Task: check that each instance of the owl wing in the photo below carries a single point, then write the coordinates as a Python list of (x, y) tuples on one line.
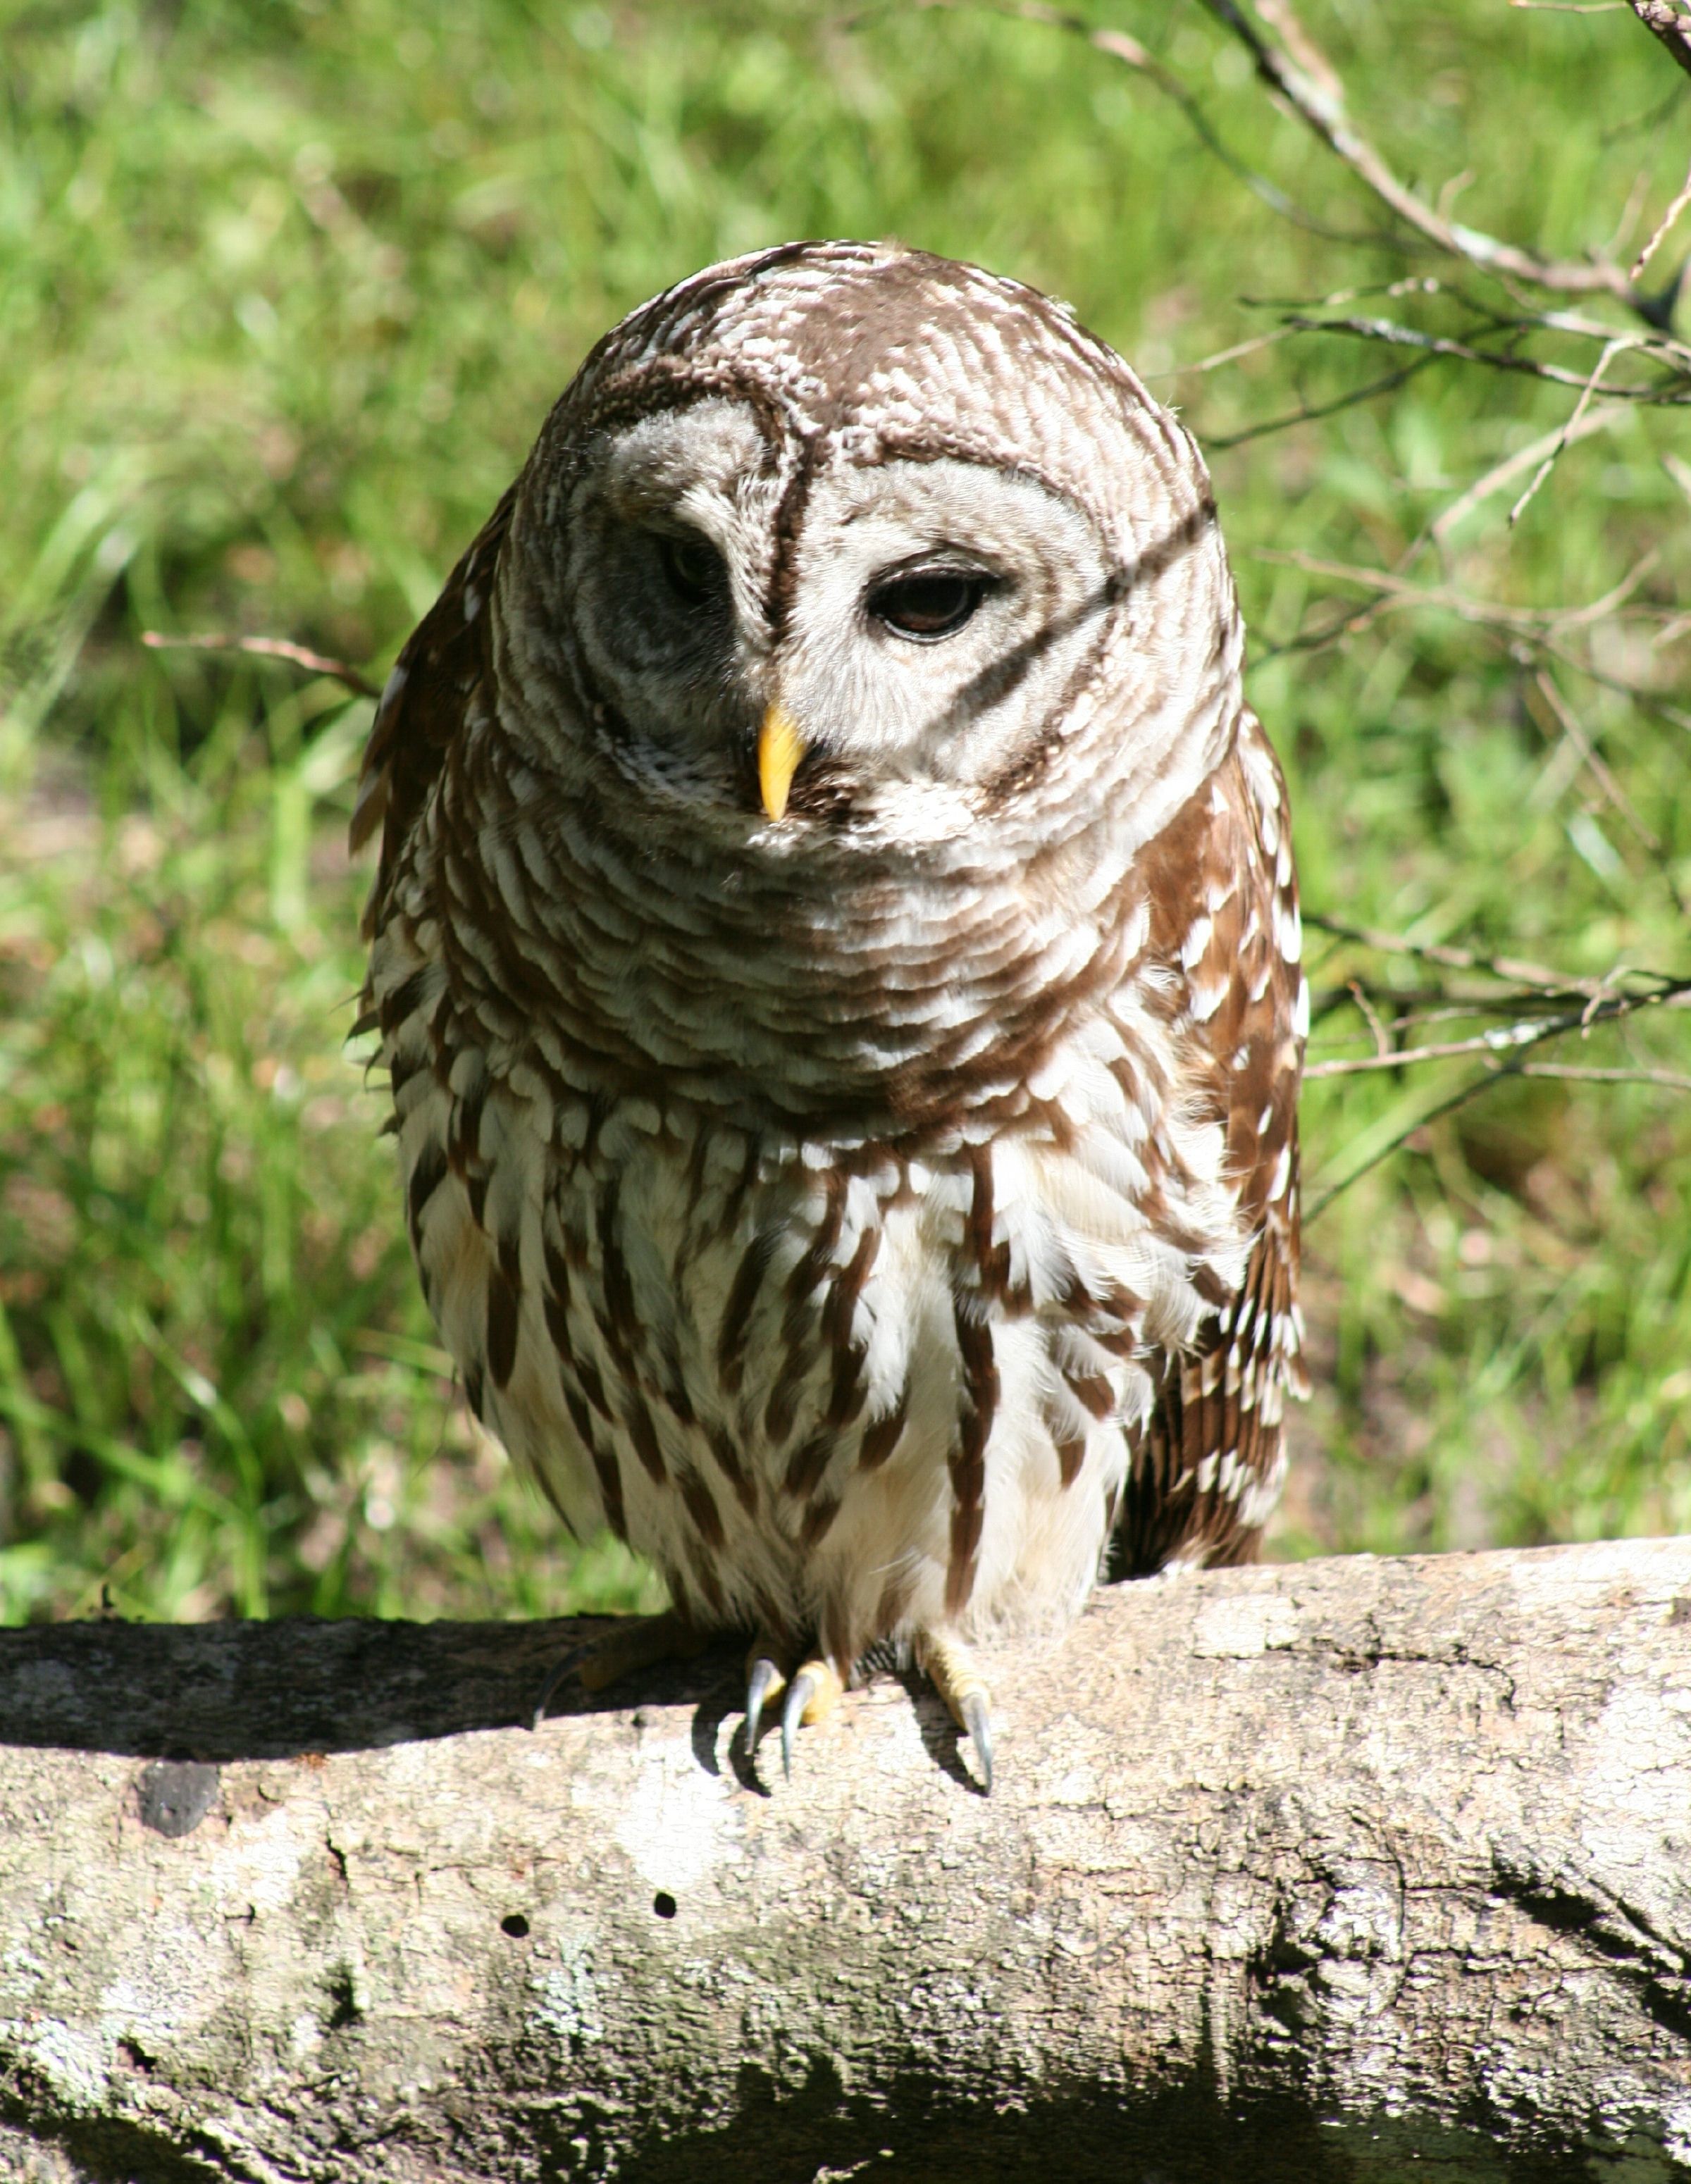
[(443, 676), (1209, 1464)]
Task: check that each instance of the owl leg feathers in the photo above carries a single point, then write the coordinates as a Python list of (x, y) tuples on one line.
[(951, 1669), (633, 1643)]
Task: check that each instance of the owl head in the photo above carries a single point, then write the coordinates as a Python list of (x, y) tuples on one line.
[(844, 547)]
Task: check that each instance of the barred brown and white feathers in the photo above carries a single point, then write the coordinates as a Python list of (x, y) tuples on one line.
[(836, 947)]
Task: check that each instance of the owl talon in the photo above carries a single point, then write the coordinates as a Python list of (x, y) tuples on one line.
[(552, 1683), (977, 1719), (765, 1679), (633, 1643), (951, 1669), (812, 1695)]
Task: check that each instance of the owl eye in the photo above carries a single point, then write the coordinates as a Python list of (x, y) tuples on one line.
[(692, 567), (927, 605)]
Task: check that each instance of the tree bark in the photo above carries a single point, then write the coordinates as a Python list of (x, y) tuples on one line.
[(1344, 1869)]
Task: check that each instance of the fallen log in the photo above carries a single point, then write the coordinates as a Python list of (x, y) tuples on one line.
[(1341, 1869)]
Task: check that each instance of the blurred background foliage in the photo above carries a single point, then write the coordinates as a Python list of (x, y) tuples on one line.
[(285, 291)]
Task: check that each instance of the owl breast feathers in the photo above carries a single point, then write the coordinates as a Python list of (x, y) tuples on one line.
[(835, 947)]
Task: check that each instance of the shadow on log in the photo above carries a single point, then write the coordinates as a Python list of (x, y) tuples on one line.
[(1356, 1869)]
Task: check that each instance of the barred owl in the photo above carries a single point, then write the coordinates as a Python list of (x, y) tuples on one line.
[(835, 954)]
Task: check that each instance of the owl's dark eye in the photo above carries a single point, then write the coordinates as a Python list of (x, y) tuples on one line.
[(692, 567), (927, 605)]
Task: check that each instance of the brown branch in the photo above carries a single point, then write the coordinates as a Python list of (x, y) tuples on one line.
[(1570, 1072), (1532, 1032), (298, 1899), (1510, 468), (1393, 335), (1611, 349), (1397, 591), (1120, 46), (267, 647), (1455, 959), (1309, 92), (1665, 22), (1594, 760), (1662, 226)]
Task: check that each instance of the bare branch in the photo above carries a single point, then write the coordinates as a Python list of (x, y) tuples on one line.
[(1494, 1075), (1662, 226), (1610, 350), (1397, 591), (1370, 1016), (1315, 1207), (1434, 952), (1665, 22), (1284, 1864), (1502, 1037), (1506, 1049), (1669, 1079), (1395, 336), (1310, 90), (1120, 46), (266, 648), (1545, 683), (1392, 380), (1505, 472)]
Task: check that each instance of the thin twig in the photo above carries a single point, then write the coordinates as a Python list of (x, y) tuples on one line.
[(1508, 969), (1307, 91), (1313, 1208), (1505, 472), (1369, 1015), (1663, 224), (1660, 344), (1611, 349), (1308, 416), (1397, 591), (1500, 1039), (1570, 1072), (1594, 760), (266, 648), (1120, 46), (1395, 336)]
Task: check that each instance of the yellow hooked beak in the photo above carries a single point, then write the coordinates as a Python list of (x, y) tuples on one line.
[(779, 748)]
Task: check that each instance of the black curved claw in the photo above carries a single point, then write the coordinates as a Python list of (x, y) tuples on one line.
[(800, 1693), (764, 1672), (979, 1723), (570, 1661)]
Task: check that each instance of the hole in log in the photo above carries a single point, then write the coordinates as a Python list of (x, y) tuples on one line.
[(664, 1904)]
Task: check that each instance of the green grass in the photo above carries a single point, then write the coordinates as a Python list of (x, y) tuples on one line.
[(286, 293)]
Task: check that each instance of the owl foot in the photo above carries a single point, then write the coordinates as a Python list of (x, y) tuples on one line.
[(812, 1696), (951, 1669), (765, 1678), (634, 1642)]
